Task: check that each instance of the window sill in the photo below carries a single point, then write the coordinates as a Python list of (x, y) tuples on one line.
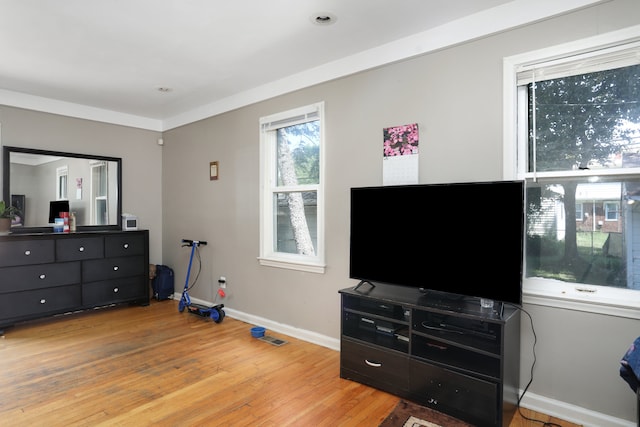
[(292, 264), (592, 299)]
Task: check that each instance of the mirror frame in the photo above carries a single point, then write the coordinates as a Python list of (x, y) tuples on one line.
[(6, 186)]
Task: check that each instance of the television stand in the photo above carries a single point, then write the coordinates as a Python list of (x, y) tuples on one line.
[(463, 360)]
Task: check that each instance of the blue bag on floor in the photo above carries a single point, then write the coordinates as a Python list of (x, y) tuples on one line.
[(162, 284)]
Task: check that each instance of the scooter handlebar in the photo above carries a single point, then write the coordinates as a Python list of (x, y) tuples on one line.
[(188, 242)]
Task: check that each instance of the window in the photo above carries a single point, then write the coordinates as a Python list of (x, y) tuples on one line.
[(611, 211), (99, 193), (579, 211), (62, 183), (291, 205), (574, 137)]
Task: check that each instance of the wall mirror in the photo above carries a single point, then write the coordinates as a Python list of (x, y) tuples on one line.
[(38, 182)]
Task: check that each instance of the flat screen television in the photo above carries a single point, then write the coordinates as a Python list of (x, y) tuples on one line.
[(55, 207), (462, 239)]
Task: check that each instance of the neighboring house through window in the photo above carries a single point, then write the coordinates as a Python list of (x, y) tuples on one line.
[(572, 132), (291, 180)]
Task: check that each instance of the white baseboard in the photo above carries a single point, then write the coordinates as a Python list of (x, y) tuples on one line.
[(556, 408), (303, 334), (572, 413)]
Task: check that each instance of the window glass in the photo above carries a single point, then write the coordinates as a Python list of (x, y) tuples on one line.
[(298, 151), (585, 122), (62, 183), (611, 211), (99, 193), (596, 249), (296, 223), (579, 211)]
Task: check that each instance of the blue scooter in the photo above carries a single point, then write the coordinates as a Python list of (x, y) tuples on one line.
[(216, 313)]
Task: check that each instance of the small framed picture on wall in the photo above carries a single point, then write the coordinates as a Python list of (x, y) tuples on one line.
[(213, 171)]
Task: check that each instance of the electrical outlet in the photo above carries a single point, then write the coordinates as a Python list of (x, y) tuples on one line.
[(222, 282)]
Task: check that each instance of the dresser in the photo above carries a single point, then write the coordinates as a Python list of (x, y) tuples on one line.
[(53, 273)]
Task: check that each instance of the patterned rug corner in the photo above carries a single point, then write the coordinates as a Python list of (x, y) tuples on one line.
[(417, 422), (408, 414)]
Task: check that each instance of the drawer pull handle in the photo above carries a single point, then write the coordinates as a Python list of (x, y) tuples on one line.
[(27, 252), (126, 246), (43, 276), (438, 346), (81, 249), (116, 268), (373, 364), (115, 290), (42, 301)]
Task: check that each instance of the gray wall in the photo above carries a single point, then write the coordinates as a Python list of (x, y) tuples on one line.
[(455, 95)]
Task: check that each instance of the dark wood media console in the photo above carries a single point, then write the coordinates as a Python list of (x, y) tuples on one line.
[(447, 354), (52, 273)]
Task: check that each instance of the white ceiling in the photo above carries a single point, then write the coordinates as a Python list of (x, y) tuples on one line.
[(106, 59)]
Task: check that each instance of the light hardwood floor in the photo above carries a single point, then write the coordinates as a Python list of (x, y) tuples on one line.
[(140, 366)]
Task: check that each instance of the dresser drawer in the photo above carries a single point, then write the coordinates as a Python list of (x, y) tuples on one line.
[(113, 268), (462, 396), (40, 301), (24, 252), (374, 366), (79, 248), (124, 244), (39, 276), (112, 291)]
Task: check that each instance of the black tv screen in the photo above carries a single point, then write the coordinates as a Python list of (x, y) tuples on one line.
[(55, 207), (459, 238)]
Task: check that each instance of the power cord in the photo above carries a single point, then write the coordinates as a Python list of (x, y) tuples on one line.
[(535, 340)]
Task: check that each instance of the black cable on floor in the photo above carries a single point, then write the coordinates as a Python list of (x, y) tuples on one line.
[(535, 340)]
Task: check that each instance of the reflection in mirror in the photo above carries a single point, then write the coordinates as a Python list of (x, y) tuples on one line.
[(38, 182)]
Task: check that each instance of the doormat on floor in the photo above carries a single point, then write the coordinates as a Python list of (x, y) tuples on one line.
[(273, 340), (407, 414)]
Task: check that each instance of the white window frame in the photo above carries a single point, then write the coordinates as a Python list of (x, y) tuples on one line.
[(547, 292), (98, 199), (62, 183), (579, 212), (268, 187), (608, 211)]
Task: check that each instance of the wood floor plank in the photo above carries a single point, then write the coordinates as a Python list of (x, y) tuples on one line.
[(143, 366)]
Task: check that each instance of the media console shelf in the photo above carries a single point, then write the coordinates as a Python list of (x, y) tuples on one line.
[(445, 353)]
